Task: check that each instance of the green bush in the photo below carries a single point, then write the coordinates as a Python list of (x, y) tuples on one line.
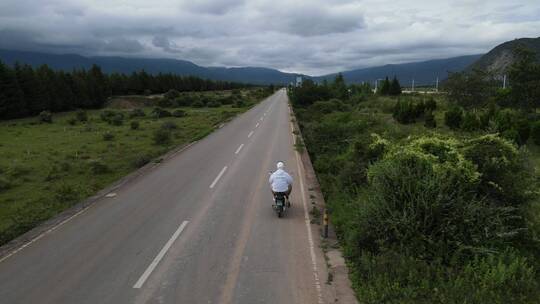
[(453, 118), (108, 136), (430, 105), (179, 113), (183, 101), (72, 121), (172, 94), (197, 104), (141, 160), (535, 132), (81, 115), (213, 104), (134, 125), (45, 116), (470, 122), (239, 103), (136, 113), (165, 103), (158, 112), (117, 119), (66, 193), (429, 120), (504, 176), (162, 136)]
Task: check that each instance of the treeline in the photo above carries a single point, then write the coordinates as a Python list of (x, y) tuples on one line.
[(26, 91)]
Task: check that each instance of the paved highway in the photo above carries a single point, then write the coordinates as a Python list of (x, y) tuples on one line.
[(199, 228)]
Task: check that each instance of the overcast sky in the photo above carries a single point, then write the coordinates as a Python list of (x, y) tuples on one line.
[(312, 37)]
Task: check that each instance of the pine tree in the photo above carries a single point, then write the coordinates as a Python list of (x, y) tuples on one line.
[(385, 87), (395, 87), (11, 97)]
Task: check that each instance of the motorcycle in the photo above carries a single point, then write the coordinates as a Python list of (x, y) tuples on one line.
[(280, 204)]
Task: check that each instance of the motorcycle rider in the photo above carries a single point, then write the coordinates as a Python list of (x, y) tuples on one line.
[(281, 182)]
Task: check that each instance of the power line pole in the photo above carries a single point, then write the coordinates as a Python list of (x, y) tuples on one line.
[(437, 85), (504, 81), (412, 90)]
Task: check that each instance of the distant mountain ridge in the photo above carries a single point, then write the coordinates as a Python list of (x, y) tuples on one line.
[(501, 57), (423, 73), (253, 75)]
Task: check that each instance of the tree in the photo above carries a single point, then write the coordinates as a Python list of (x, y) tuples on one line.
[(471, 89), (11, 97), (385, 87), (395, 87), (339, 88), (525, 80)]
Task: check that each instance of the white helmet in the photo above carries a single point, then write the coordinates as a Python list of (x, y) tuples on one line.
[(280, 165)]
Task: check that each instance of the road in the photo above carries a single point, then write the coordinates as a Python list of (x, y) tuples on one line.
[(198, 228)]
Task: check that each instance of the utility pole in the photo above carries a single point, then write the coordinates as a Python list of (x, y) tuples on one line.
[(504, 81), (437, 85), (412, 90)]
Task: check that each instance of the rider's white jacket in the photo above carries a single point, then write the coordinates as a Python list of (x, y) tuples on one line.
[(280, 181)]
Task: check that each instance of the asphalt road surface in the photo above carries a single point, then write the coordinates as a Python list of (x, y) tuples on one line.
[(198, 228)]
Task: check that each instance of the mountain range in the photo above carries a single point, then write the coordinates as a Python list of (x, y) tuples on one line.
[(423, 73)]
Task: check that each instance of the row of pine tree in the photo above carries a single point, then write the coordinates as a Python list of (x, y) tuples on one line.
[(26, 91)]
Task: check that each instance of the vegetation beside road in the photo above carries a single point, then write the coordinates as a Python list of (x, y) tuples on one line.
[(50, 162), (434, 199)]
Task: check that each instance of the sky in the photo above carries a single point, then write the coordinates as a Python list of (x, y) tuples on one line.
[(311, 37)]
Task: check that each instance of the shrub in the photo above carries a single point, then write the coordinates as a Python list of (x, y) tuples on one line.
[(470, 122), (136, 113), (165, 103), (172, 94), (179, 113), (169, 125), (535, 132), (162, 136), (81, 115), (183, 101), (226, 100), (405, 112), (239, 103), (107, 115), (108, 136), (453, 118), (141, 160), (430, 105), (98, 167), (504, 177), (72, 121), (134, 125), (158, 112), (117, 119), (213, 104), (523, 129), (45, 116), (429, 120), (197, 104)]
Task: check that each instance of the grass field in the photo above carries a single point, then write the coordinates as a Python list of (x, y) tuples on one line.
[(47, 167)]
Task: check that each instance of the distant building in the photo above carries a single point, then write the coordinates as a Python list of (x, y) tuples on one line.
[(298, 81)]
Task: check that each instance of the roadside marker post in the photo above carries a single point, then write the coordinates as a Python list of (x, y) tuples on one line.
[(325, 219)]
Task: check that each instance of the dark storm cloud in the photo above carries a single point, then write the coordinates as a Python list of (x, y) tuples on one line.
[(302, 36)]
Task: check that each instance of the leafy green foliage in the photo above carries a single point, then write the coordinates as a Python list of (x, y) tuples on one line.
[(45, 116), (535, 131), (453, 118), (134, 125), (162, 136)]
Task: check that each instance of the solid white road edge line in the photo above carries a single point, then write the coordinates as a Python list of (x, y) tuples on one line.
[(218, 177), (257, 125), (160, 256), (308, 227), (250, 133), (239, 148)]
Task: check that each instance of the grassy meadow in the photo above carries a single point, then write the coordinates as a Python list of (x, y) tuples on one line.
[(47, 167)]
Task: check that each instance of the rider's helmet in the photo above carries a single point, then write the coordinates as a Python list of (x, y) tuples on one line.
[(280, 165)]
